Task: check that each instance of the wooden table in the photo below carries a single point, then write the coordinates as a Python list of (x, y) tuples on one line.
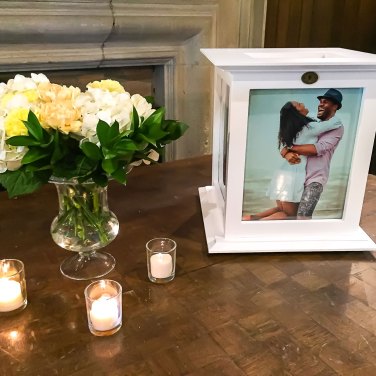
[(275, 314)]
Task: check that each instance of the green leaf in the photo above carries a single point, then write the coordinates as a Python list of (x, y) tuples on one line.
[(31, 117), (91, 150), (175, 129), (114, 131), (20, 182), (38, 166), (80, 166), (156, 118), (135, 119), (152, 128), (34, 154), (47, 136), (103, 132), (33, 126), (147, 139), (108, 153), (47, 141), (107, 134), (149, 99), (124, 146), (156, 133), (120, 175), (126, 133), (22, 141), (141, 144), (58, 150), (110, 165), (84, 166)]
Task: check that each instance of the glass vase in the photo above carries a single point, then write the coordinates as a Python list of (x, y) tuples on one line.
[(84, 225)]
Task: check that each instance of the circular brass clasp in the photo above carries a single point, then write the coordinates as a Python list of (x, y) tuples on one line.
[(310, 77)]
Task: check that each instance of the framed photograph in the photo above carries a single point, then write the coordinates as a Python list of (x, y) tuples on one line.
[(293, 132), (276, 179)]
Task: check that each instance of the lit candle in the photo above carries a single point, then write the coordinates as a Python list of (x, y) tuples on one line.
[(10, 295), (161, 265), (104, 313)]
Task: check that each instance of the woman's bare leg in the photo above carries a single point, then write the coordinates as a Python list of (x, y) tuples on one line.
[(288, 211), (290, 208), (266, 213)]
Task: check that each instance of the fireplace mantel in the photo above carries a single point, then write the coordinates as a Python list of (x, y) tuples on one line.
[(48, 35)]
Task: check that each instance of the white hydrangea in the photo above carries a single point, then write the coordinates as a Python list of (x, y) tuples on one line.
[(21, 83), (142, 106), (20, 92), (10, 156), (98, 104), (12, 97)]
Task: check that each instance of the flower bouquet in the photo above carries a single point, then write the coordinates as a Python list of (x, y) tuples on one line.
[(77, 140)]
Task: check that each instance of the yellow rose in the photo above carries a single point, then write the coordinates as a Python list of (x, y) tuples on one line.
[(13, 122), (60, 115), (51, 92), (109, 85)]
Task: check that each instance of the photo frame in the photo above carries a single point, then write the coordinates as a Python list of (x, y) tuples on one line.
[(249, 175), (262, 135)]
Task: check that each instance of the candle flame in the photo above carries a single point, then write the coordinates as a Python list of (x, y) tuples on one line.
[(13, 334), (102, 284), (5, 267)]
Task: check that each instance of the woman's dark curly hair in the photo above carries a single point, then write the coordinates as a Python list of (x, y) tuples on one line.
[(291, 123)]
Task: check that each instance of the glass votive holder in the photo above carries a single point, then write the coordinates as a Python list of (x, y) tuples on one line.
[(13, 297), (161, 259), (104, 307)]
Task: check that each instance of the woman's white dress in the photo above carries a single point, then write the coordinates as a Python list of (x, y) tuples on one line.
[(287, 183)]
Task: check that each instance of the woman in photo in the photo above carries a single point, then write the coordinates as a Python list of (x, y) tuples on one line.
[(287, 184)]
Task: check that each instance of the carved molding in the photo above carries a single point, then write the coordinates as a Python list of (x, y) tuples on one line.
[(45, 35)]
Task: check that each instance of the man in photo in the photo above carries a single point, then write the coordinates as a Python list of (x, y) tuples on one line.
[(319, 155)]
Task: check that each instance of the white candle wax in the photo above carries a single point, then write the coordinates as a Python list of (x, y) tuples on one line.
[(161, 265), (104, 313), (10, 295)]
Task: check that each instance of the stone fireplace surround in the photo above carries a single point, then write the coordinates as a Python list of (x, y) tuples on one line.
[(168, 34)]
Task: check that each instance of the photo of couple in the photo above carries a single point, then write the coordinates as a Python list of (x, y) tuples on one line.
[(298, 161)]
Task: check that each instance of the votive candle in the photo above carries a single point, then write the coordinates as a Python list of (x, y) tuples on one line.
[(161, 265), (10, 295), (12, 286), (104, 307), (161, 259), (104, 313)]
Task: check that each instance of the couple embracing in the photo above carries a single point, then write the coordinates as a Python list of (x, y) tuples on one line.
[(307, 147)]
